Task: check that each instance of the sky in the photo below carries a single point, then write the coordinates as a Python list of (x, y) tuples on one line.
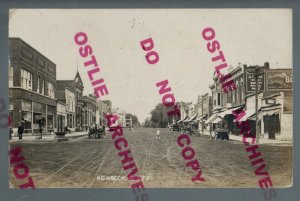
[(246, 36)]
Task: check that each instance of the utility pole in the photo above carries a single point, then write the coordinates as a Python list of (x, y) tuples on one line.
[(257, 72), (202, 126)]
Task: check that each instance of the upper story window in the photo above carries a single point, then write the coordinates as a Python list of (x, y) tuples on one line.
[(218, 99), (26, 79), (38, 85), (43, 87), (51, 90), (10, 76)]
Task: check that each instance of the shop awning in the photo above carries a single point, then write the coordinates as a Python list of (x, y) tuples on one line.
[(192, 118), (211, 118), (249, 113), (183, 120), (217, 120), (271, 112), (186, 119), (228, 111), (200, 118)]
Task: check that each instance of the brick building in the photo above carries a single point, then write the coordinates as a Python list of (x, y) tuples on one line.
[(76, 86), (203, 107), (32, 84), (223, 103), (275, 109), (102, 109)]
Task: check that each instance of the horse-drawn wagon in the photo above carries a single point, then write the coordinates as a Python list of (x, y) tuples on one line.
[(96, 131)]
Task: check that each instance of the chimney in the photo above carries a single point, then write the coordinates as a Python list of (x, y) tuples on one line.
[(267, 65)]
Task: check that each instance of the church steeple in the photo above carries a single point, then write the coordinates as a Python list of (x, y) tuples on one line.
[(78, 79)]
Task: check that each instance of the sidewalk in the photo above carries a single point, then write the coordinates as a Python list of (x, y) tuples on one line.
[(49, 137), (261, 140)]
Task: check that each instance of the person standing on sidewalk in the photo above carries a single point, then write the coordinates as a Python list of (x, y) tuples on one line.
[(20, 130), (10, 133)]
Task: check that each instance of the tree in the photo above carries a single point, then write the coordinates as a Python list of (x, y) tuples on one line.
[(148, 123), (159, 116), (135, 120)]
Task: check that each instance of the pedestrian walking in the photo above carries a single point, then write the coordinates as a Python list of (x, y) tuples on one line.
[(10, 133), (40, 122), (157, 134), (20, 130), (67, 129)]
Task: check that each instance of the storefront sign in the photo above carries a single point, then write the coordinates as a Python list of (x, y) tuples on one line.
[(251, 82), (279, 79)]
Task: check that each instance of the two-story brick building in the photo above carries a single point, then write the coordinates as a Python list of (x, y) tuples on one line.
[(32, 84), (274, 87)]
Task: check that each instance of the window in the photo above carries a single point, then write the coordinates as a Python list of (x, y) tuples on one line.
[(43, 87), (26, 79), (218, 99), (38, 85), (50, 90), (233, 95), (10, 76)]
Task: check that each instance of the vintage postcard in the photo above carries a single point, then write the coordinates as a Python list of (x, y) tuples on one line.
[(150, 98)]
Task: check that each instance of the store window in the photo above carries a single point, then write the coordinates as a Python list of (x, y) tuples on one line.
[(26, 116), (39, 116), (26, 79), (51, 90)]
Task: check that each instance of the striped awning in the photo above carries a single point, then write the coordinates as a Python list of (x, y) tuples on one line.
[(211, 118)]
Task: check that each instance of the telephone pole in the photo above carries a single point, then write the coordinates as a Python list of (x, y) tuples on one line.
[(256, 75), (202, 115)]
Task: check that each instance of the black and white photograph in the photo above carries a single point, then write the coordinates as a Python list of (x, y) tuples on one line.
[(150, 98)]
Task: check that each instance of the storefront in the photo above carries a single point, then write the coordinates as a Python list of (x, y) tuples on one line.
[(26, 115), (61, 116), (33, 116), (271, 127), (71, 121)]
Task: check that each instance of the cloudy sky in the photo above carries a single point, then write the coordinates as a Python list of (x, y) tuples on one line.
[(246, 36)]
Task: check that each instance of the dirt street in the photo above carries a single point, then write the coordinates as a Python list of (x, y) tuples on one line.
[(85, 163)]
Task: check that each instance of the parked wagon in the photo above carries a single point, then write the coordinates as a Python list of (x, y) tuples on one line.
[(222, 133), (96, 131)]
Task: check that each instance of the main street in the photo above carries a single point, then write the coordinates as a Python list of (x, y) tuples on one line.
[(86, 162)]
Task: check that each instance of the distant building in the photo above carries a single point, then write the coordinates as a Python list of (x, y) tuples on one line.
[(32, 84), (184, 111), (121, 116), (203, 108), (102, 109), (89, 107)]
